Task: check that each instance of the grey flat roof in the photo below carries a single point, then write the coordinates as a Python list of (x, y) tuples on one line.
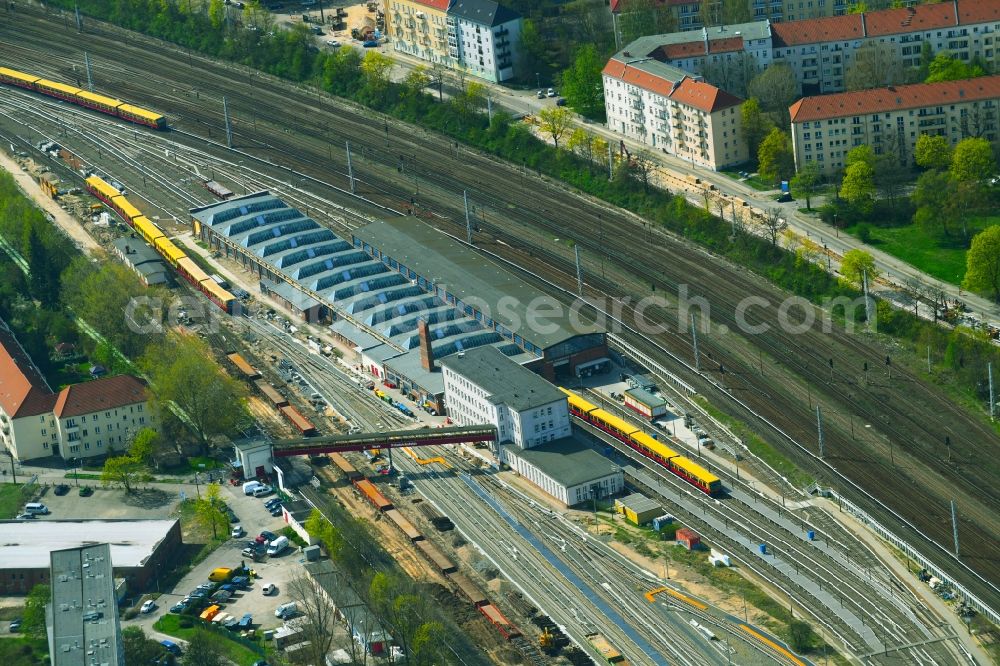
[(409, 366), (82, 582), (470, 277), (505, 380), (289, 293), (139, 253), (26, 544), (640, 503), (357, 337), (568, 461)]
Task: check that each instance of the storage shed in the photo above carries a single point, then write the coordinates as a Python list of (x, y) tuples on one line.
[(687, 538), (637, 508), (646, 403)]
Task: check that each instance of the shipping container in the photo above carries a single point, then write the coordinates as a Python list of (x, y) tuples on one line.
[(436, 557), (371, 493), (503, 625), (270, 393), (405, 526), (346, 468)]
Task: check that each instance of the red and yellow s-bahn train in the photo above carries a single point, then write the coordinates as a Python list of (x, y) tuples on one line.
[(153, 235), (108, 105), (690, 471)]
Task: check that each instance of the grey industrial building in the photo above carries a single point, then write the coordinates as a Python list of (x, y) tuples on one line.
[(82, 618), (378, 287), (142, 259), (566, 469)]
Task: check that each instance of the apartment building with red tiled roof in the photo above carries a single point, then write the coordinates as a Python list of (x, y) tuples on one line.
[(688, 13), (826, 127), (80, 421)]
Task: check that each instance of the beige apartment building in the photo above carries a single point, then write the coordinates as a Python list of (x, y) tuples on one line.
[(826, 127), (420, 28), (687, 13), (671, 110)]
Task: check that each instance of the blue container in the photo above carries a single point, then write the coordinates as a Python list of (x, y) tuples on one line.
[(763, 548), (811, 535)]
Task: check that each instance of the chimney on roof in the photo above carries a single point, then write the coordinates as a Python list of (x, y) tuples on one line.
[(426, 351), (704, 38), (958, 19)]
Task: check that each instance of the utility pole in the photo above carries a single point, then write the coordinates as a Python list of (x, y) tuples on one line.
[(468, 221), (90, 78), (350, 170), (954, 526), (79, 21), (868, 306), (229, 127), (611, 164), (579, 272), (694, 337), (489, 109), (993, 402), (819, 430)]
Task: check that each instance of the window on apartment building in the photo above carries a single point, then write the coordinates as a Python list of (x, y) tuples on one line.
[(100, 443), (86, 446), (44, 432), (75, 448), (45, 445)]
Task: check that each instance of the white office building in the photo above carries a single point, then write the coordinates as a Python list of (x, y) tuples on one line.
[(483, 386), (483, 38)]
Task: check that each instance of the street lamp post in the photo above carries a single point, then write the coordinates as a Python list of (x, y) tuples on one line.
[(538, 79)]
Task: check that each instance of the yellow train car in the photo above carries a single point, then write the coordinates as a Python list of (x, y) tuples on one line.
[(654, 449), (578, 405), (696, 475), (60, 90), (149, 231), (99, 102), (169, 251), (125, 208), (143, 116), (16, 78), (101, 189), (610, 423)]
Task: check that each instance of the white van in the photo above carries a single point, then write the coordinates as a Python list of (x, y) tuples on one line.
[(278, 546), (36, 508), (250, 486), (285, 611)]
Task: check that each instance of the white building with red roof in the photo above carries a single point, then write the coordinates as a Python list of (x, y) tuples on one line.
[(80, 421), (650, 100), (826, 127)]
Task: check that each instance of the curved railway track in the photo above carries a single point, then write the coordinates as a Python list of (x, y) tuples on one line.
[(914, 417)]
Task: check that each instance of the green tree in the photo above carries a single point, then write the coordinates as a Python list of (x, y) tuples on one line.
[(427, 643), (582, 85), (124, 469), (932, 152), (724, 12), (805, 183), (470, 100), (875, 65), (184, 375), (43, 275), (534, 49), (756, 125), (775, 159), (856, 265), (209, 510), (639, 18), (934, 196), (982, 272), (416, 80), (800, 636), (216, 13), (202, 650), (973, 161), (946, 67), (376, 67), (776, 88), (926, 58), (139, 648), (858, 186), (555, 121), (33, 618)]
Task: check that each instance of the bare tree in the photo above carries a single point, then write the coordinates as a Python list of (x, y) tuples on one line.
[(876, 64), (773, 224), (643, 165), (319, 617)]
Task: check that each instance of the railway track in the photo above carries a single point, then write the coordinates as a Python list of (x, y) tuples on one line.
[(920, 416)]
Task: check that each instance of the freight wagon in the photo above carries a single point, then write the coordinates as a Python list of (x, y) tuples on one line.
[(248, 371), (405, 526), (371, 493), (609, 653), (441, 522), (301, 423), (269, 392), (346, 468), (436, 557), (503, 625), (469, 589)]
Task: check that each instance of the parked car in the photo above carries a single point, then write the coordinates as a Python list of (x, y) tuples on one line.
[(785, 198), (271, 502), (540, 94), (171, 647), (25, 516), (92, 616), (61, 489), (148, 606), (268, 536), (333, 43), (370, 44), (276, 511), (237, 532), (179, 607), (86, 491), (550, 93), (261, 491), (561, 101), (15, 624), (267, 591)]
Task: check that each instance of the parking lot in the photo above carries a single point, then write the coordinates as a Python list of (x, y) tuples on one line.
[(158, 501), (276, 570)]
